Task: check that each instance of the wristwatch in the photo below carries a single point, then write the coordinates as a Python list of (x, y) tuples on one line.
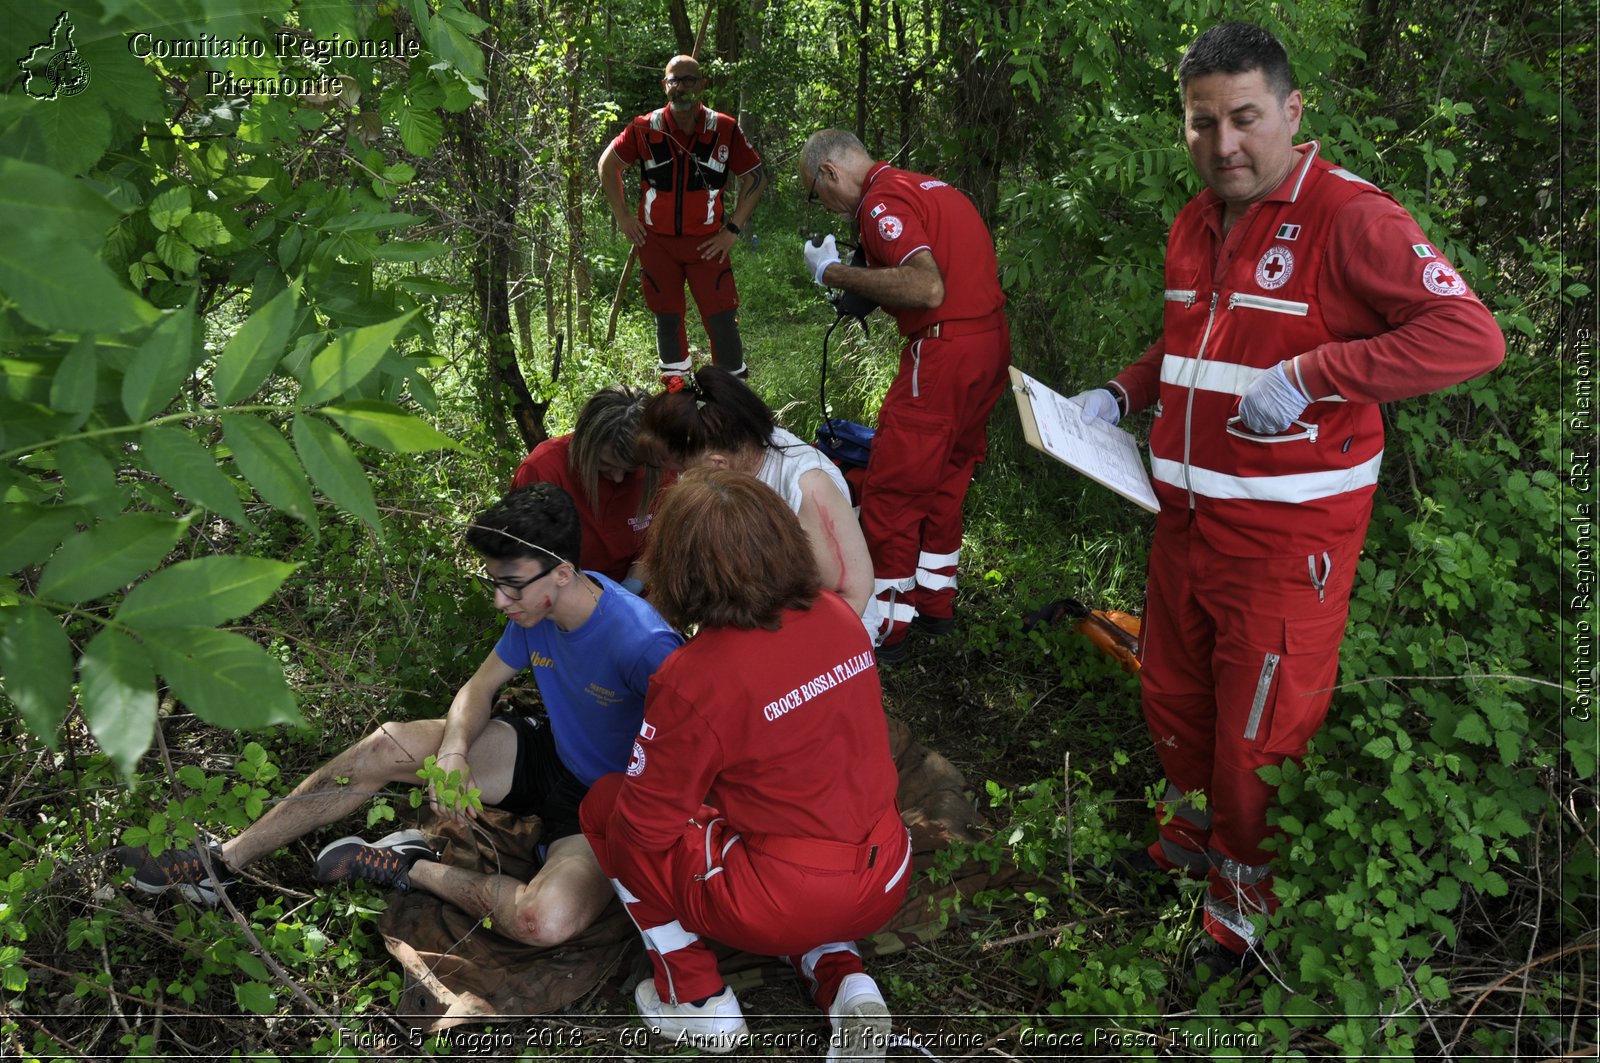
[(732, 228)]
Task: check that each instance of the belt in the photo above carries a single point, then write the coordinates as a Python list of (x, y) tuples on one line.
[(968, 326), (831, 856)]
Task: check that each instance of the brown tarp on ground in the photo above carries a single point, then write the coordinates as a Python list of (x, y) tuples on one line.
[(457, 971)]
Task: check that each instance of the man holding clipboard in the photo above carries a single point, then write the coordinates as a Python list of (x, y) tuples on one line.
[(1298, 297)]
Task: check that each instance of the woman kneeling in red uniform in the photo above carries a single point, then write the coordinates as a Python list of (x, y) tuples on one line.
[(759, 806)]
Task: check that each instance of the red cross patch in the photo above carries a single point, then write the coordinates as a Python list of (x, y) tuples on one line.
[(1275, 267), (889, 227), (1440, 279)]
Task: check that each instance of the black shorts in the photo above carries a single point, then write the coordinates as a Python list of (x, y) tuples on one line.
[(540, 784)]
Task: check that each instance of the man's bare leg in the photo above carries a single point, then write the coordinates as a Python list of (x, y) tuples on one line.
[(564, 898), (392, 754)]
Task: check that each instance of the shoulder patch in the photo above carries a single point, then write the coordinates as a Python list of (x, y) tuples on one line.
[(890, 227), (879, 209), (1275, 267), (931, 184), (636, 762), (1440, 279), (1424, 251), (1288, 232)]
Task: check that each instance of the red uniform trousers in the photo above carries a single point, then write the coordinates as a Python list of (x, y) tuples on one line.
[(762, 894), (666, 264), (1239, 658), (932, 432)]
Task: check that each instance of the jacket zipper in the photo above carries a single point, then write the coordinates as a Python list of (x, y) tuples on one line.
[(1188, 413), (1263, 302)]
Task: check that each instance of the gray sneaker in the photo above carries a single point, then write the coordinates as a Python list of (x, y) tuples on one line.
[(860, 1020), (178, 869), (386, 862)]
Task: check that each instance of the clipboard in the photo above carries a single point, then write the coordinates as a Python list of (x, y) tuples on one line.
[(1104, 453)]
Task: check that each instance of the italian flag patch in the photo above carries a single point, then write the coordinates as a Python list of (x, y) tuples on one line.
[(1423, 250)]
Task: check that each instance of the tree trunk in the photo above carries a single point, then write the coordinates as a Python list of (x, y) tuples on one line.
[(863, 52), (682, 27)]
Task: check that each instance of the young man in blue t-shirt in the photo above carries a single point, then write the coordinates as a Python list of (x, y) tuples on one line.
[(592, 647)]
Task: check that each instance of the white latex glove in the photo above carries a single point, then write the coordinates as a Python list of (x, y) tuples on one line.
[(1098, 404), (820, 256), (1270, 404)]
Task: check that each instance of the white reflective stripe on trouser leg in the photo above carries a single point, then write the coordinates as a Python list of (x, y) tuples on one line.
[(927, 560), (875, 620), (808, 962), (1232, 918), (933, 581), (902, 584), (1239, 871), (675, 368), (668, 937)]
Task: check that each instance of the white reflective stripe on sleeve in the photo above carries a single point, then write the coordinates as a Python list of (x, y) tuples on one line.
[(907, 256), (904, 583), (668, 937), (1292, 487), (927, 560), (622, 892), (900, 872), (649, 201), (1231, 919), (1229, 378), (933, 581)]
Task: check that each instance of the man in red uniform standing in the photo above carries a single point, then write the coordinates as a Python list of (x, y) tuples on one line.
[(686, 152), (1298, 297), (930, 264)]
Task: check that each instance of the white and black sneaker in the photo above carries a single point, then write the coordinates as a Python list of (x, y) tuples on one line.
[(860, 1019), (386, 862), (178, 869)]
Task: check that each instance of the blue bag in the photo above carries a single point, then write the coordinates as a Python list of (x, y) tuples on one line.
[(846, 443)]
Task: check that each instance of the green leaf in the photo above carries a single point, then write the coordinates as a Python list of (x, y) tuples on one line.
[(335, 469), (257, 997), (204, 230), (175, 251), (410, 250), (117, 688), (90, 478), (61, 286), (36, 659), (380, 424), (168, 209), (108, 556), (266, 460), (251, 964), (256, 348), (72, 389), (350, 359), (30, 533), (203, 592), (370, 222), (190, 469), (223, 677), (420, 130), (42, 199), (160, 366)]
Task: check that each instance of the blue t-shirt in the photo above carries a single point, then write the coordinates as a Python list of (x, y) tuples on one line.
[(592, 679)]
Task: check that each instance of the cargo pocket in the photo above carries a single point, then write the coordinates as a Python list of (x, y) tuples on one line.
[(909, 452), (1293, 686)]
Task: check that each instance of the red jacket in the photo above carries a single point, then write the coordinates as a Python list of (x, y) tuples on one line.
[(782, 731), (613, 528), (684, 173), (1327, 268), (902, 213)]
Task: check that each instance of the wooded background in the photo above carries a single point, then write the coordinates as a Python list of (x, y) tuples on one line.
[(260, 357)]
